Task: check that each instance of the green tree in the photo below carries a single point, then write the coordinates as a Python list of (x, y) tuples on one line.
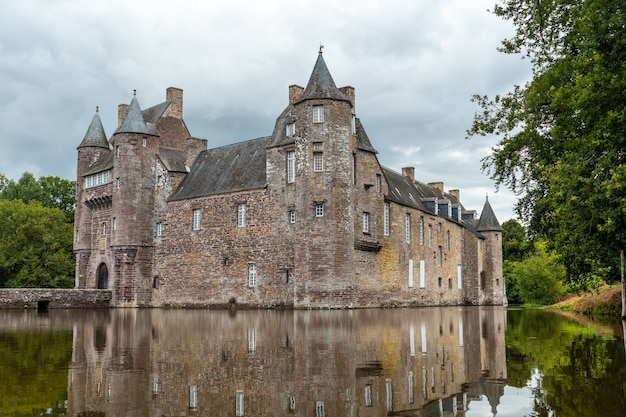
[(49, 191), (538, 278), (515, 243), (35, 246), (562, 135)]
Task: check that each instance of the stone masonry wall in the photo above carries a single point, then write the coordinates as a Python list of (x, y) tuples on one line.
[(53, 298)]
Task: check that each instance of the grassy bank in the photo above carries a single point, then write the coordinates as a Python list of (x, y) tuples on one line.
[(606, 301)]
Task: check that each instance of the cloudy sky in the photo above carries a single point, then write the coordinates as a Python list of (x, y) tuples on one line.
[(414, 65)]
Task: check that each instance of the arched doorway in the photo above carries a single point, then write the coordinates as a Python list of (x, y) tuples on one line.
[(102, 276)]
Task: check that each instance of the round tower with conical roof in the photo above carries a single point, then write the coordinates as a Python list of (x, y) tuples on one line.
[(491, 282)]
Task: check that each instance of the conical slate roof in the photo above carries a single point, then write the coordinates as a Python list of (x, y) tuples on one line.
[(488, 221), (321, 84), (95, 136), (134, 121)]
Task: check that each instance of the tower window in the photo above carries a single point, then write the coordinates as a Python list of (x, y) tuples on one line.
[(318, 114), (291, 166), (290, 129), (386, 219), (319, 209), (159, 229), (292, 216), (318, 156), (378, 183), (366, 222), (252, 276)]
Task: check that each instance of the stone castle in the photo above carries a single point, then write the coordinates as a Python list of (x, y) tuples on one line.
[(303, 218)]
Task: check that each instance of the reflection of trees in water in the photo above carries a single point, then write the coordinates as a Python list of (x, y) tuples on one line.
[(580, 370)]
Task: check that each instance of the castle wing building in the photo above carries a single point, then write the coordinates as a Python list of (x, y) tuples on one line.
[(303, 218)]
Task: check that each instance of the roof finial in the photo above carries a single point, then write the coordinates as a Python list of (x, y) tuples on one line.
[(321, 47), (135, 92), (487, 196), (97, 109)]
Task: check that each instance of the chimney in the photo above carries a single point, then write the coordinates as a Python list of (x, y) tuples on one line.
[(437, 185), (409, 172), (122, 111), (174, 96), (456, 194), (348, 91), (295, 92)]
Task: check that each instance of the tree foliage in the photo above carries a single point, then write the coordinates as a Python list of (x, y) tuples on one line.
[(562, 144), (36, 229)]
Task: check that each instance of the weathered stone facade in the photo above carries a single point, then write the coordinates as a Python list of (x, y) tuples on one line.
[(304, 218)]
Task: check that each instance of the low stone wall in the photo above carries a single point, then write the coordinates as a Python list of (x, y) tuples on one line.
[(44, 298)]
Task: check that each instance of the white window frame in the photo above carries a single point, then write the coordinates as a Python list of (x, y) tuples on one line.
[(378, 182), (196, 217), (319, 209), (291, 166), (290, 129), (252, 275), (430, 235), (386, 219), (422, 230), (422, 273), (366, 222), (292, 216), (407, 227), (318, 156), (159, 229), (96, 179), (440, 255), (354, 124), (318, 113), (241, 215)]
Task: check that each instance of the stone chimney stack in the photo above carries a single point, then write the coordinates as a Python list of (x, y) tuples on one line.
[(409, 172), (437, 185), (295, 92), (456, 194), (122, 111), (174, 96), (348, 91)]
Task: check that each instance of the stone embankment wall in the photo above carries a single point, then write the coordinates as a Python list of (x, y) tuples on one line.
[(43, 298)]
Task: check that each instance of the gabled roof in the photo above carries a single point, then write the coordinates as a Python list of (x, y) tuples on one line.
[(232, 168), (154, 113), (321, 84), (135, 123), (488, 221), (95, 136), (363, 141), (173, 160), (402, 190)]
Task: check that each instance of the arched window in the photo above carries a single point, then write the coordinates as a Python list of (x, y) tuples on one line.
[(102, 277)]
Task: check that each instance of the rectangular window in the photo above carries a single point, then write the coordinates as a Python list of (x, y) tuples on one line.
[(386, 219), (290, 129), (114, 223), (292, 216), (421, 230), (291, 166), (354, 124), (144, 142), (319, 209), (318, 161), (430, 235), (319, 409), (196, 215), (377, 183), (252, 275), (422, 273), (159, 229), (97, 179), (241, 215), (318, 114), (448, 240), (411, 382), (368, 395), (440, 256), (407, 227), (239, 410), (118, 183), (459, 277), (410, 273), (366, 222)]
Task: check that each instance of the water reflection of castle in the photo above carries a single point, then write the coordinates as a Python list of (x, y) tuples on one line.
[(272, 363)]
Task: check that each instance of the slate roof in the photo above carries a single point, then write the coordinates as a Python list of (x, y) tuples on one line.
[(488, 221), (105, 163), (231, 168), (95, 136), (173, 160), (134, 121), (321, 84), (363, 141)]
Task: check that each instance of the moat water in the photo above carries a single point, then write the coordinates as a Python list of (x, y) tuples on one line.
[(461, 361)]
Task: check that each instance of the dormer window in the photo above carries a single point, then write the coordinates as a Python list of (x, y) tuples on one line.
[(290, 129), (318, 114)]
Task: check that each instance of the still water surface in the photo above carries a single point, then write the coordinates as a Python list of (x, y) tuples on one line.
[(457, 361)]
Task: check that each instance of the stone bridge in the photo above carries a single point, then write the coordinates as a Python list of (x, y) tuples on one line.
[(44, 298)]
